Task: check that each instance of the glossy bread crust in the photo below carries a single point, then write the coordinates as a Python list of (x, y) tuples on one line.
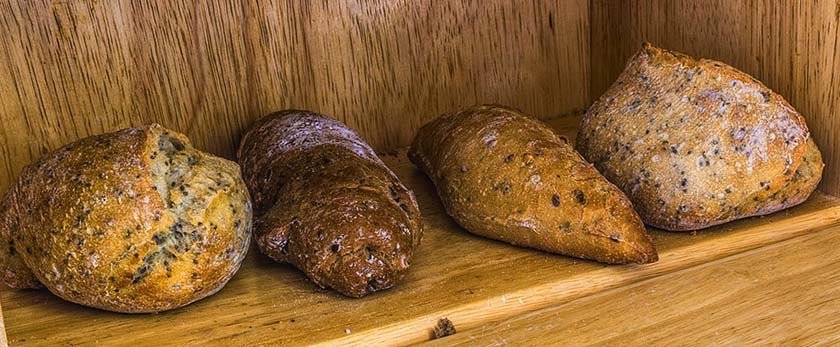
[(131, 221), (506, 176), (696, 143), (327, 204)]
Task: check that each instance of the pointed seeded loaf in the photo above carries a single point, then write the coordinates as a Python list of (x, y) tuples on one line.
[(696, 143), (506, 176)]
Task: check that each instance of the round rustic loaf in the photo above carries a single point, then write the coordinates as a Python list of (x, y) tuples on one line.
[(327, 204), (131, 221)]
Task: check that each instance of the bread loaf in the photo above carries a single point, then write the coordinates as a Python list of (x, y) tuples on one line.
[(131, 221), (506, 176), (327, 204), (696, 143)]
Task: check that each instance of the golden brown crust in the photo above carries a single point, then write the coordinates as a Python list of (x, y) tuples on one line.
[(327, 204), (131, 221), (506, 176), (13, 271), (696, 143)]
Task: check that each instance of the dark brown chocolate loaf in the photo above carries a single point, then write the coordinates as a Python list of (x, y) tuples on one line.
[(327, 204)]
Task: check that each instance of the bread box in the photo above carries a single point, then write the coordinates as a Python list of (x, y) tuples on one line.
[(71, 69)]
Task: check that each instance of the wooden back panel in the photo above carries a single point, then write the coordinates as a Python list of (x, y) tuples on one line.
[(69, 69), (791, 46)]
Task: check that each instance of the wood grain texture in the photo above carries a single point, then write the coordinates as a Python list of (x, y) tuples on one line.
[(790, 45), (69, 69), (455, 274), (4, 342), (784, 294)]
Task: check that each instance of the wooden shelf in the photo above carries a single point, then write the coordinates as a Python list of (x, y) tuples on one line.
[(470, 280), (783, 294)]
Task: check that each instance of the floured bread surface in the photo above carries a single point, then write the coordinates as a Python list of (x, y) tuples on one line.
[(696, 143), (132, 221), (505, 176), (327, 204)]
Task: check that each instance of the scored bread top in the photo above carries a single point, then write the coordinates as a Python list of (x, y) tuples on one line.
[(131, 221), (695, 142), (504, 175)]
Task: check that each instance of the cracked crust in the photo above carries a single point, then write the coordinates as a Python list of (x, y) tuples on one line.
[(505, 176), (696, 143), (326, 204), (132, 221)]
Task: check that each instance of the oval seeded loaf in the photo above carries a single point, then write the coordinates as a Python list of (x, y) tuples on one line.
[(131, 221), (506, 176), (327, 204), (696, 143)]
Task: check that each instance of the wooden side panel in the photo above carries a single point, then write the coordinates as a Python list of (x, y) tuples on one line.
[(4, 341), (69, 69), (791, 46)]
